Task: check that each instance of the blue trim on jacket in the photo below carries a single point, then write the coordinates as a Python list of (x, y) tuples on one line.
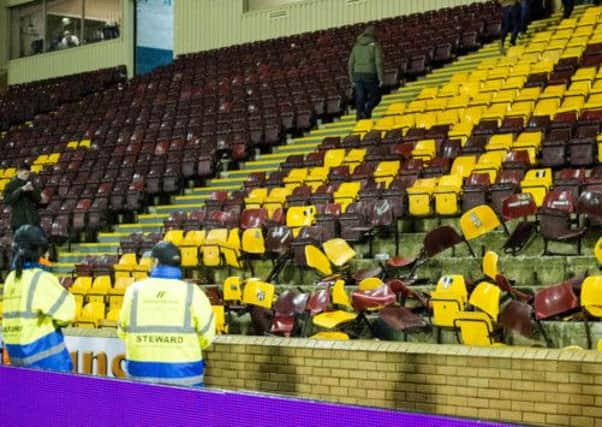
[(165, 369), (58, 362), (166, 272)]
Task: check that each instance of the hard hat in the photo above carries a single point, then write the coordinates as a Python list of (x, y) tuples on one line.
[(167, 253), (31, 237)]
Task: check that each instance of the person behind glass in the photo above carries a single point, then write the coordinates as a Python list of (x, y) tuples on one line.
[(568, 6), (22, 198), (69, 40), (365, 68), (510, 21)]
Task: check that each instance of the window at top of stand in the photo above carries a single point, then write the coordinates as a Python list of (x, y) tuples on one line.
[(53, 25), (253, 5)]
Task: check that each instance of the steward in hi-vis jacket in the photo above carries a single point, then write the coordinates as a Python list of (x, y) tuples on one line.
[(166, 323), (35, 306)]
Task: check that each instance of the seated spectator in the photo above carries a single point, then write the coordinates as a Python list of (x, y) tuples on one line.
[(69, 40)]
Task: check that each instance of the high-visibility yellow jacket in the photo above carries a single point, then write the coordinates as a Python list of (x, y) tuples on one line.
[(33, 308), (166, 323)]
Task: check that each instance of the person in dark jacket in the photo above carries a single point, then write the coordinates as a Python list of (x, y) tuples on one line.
[(365, 68), (568, 5), (23, 198)]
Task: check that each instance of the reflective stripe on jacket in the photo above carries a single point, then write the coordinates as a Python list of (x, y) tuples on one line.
[(32, 307), (165, 324)]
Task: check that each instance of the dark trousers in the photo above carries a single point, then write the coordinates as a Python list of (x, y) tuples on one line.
[(568, 7), (367, 96), (511, 23), (525, 15)]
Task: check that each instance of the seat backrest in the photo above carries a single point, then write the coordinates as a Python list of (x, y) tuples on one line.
[(486, 297), (518, 205), (478, 221), (591, 295), (440, 239), (561, 200)]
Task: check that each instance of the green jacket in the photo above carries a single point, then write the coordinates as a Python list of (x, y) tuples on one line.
[(23, 204), (366, 58)]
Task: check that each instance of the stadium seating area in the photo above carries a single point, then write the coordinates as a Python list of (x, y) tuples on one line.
[(501, 159), (118, 149)]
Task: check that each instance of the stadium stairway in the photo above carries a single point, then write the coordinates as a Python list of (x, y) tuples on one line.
[(108, 243)]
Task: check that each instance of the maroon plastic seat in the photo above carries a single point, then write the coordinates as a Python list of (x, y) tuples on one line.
[(517, 206), (379, 297), (253, 218), (507, 182), (475, 191), (555, 301), (555, 220)]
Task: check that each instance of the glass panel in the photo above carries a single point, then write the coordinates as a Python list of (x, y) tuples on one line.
[(27, 30), (63, 24), (251, 5), (102, 20)]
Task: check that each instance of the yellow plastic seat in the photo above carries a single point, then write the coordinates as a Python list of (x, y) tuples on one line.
[(436, 104), (91, 315), (385, 171), (473, 114), (528, 94), (370, 284), (459, 101), (42, 159), (492, 85), (481, 99), (497, 111), (501, 142), (85, 143), (537, 182), (571, 103), (111, 320), (419, 196), (505, 96), (428, 93), (490, 261), (190, 256), (317, 176), (258, 293), (425, 149), (363, 126), (252, 241), (449, 89), (338, 251), (530, 141), (476, 328), (354, 157), (334, 157), (478, 221), (81, 285), (219, 314), (591, 296), (598, 251), (230, 250), (515, 82), (395, 109), (193, 238), (461, 131), (447, 195), (118, 290), (276, 199), (317, 260), (447, 300), (211, 249), (72, 145), (546, 107), (522, 109), (126, 265), (448, 117), (99, 289), (463, 165), (425, 120), (405, 121), (232, 289), (330, 336), (332, 319), (53, 158), (416, 106), (580, 88), (143, 268), (256, 198), (174, 236), (584, 74), (386, 123), (300, 216), (295, 176), (555, 91), (346, 194), (486, 297), (594, 102), (490, 163)]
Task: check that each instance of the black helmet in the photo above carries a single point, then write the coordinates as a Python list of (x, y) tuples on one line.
[(167, 253), (32, 238)]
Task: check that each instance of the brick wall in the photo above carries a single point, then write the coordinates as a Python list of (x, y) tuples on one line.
[(533, 386)]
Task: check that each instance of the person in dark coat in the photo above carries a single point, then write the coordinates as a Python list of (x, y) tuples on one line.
[(365, 68), (23, 199)]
